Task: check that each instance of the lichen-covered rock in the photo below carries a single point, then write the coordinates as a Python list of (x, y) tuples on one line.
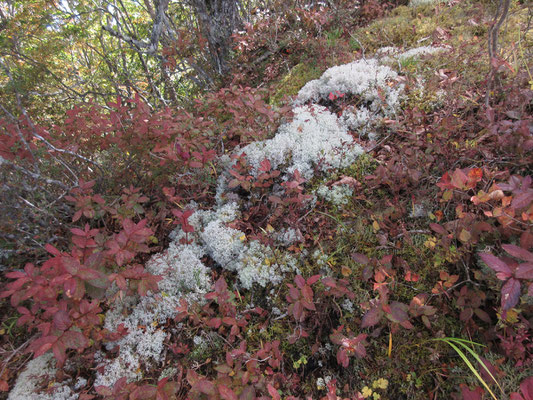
[(315, 138), (39, 371)]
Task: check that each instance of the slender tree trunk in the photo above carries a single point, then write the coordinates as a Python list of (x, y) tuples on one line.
[(218, 19)]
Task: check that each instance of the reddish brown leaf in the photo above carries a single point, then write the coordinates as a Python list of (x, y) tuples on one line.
[(476, 394), (226, 393), (398, 312), (372, 317), (438, 228), (526, 387), (313, 279), (144, 392), (518, 252), (510, 293), (360, 258), (502, 270), (300, 281), (62, 320), (205, 386), (522, 200), (524, 271), (273, 392), (74, 340)]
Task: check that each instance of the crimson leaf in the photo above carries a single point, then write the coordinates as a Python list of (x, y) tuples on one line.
[(510, 293), (502, 270)]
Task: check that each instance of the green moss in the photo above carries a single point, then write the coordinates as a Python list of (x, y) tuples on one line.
[(364, 165), (292, 82)]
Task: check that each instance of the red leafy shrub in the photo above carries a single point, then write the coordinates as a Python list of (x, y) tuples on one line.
[(64, 297)]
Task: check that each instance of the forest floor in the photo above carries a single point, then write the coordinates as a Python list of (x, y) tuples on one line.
[(377, 245)]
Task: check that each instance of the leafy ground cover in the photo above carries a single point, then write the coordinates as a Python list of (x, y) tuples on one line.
[(370, 238)]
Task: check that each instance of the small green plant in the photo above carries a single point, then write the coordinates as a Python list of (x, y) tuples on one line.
[(333, 36)]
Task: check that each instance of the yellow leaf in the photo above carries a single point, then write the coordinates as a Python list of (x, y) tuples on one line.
[(242, 237), (375, 225), (346, 271), (447, 195), (511, 317), (390, 344), (465, 236), (430, 243)]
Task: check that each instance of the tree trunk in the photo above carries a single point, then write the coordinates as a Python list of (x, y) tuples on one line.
[(218, 19)]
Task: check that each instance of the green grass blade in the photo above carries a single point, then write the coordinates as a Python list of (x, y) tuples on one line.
[(468, 363), (476, 356), (464, 341)]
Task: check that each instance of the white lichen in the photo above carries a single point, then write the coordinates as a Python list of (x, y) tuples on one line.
[(314, 139), (364, 78), (39, 371), (338, 194), (184, 276)]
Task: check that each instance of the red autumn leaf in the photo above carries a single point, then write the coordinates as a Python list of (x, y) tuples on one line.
[(60, 352), (510, 293), (438, 228), (475, 175), (411, 276), (502, 270), (372, 317), (300, 281), (62, 320), (313, 279), (518, 252), (226, 393), (476, 394), (307, 293), (4, 387), (15, 275), (297, 310), (52, 250), (522, 200), (214, 322), (342, 358), (265, 165), (524, 271), (309, 305), (459, 179), (273, 392), (360, 258), (398, 312), (144, 392), (74, 340), (42, 345), (526, 387), (445, 182), (71, 265), (205, 386)]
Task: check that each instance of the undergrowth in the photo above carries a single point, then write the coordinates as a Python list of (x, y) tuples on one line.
[(424, 243)]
